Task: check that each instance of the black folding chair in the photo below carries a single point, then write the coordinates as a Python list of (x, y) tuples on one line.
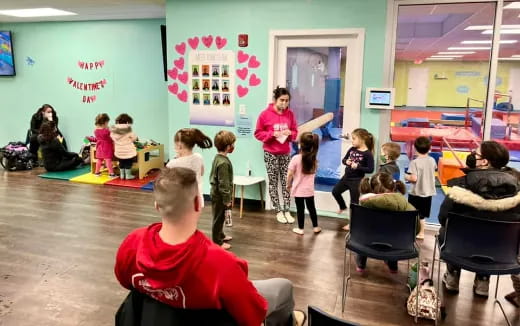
[(382, 235), (318, 317), (480, 245)]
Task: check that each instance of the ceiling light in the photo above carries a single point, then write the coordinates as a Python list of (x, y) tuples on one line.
[(470, 48), (503, 31), (484, 27), (513, 5), (446, 56), (438, 59), (489, 42), (457, 52), (36, 12)]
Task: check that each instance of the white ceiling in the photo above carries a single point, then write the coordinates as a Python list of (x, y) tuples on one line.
[(88, 9)]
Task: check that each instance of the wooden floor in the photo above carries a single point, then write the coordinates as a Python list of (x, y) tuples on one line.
[(58, 240)]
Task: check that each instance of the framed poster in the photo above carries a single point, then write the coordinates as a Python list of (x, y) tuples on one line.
[(211, 81)]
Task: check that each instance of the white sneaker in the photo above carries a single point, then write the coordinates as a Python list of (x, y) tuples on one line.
[(280, 217), (481, 287), (289, 217)]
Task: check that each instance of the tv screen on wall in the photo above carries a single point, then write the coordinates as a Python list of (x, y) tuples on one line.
[(6, 54)]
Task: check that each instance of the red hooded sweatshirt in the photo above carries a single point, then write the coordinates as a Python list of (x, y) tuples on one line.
[(270, 121), (196, 274)]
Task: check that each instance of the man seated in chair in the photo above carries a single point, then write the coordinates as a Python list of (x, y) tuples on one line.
[(178, 265), (489, 190)]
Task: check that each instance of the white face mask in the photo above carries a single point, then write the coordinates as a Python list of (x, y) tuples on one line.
[(48, 116)]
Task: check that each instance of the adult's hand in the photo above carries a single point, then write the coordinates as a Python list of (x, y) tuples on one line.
[(286, 132)]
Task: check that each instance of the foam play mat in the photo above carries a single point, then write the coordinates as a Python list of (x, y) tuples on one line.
[(91, 178), (135, 183), (65, 175), (148, 186)]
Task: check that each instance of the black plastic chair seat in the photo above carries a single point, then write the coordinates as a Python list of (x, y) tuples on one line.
[(381, 252), (481, 266)]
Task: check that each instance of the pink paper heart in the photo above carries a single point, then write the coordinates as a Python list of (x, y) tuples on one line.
[(220, 42), (242, 91), (104, 82), (207, 40), (242, 73), (183, 78), (93, 98), (254, 81), (183, 96), (242, 56), (81, 64), (102, 63), (69, 80), (179, 63), (173, 73), (180, 48), (193, 42), (173, 88), (253, 63)]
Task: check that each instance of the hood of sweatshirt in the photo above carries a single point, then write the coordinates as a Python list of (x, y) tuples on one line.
[(120, 130), (154, 257)]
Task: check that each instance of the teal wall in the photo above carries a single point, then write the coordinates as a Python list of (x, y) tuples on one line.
[(228, 18), (133, 70)]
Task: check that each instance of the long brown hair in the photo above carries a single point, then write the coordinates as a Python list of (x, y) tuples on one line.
[(367, 137), (381, 183), (48, 131), (309, 144), (191, 137)]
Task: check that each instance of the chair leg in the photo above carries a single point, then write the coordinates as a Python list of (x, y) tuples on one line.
[(500, 304), (346, 279), (418, 288), (438, 289), (433, 257)]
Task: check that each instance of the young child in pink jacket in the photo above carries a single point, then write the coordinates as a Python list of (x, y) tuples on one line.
[(125, 150), (104, 144)]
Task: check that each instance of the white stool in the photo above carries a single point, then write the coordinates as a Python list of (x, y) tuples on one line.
[(243, 181)]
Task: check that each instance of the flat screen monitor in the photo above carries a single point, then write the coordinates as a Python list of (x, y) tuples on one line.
[(6, 54), (379, 98)]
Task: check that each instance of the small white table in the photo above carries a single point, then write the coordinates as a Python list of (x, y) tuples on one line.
[(242, 181)]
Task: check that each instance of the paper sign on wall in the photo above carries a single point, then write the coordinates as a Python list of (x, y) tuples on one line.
[(211, 84)]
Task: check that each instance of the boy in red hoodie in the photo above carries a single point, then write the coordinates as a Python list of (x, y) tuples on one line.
[(178, 265)]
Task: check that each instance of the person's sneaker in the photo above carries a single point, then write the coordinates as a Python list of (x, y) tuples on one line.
[(451, 281), (97, 174), (299, 318), (316, 230), (346, 227), (113, 175), (360, 268), (227, 238), (289, 217), (225, 246), (280, 217), (298, 231), (481, 287)]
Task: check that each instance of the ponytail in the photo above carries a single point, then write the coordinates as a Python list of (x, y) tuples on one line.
[(381, 183), (364, 186), (367, 137), (400, 187), (191, 137), (201, 140)]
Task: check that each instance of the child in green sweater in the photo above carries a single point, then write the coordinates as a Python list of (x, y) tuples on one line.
[(221, 179)]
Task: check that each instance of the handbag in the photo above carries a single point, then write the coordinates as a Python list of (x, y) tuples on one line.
[(429, 304)]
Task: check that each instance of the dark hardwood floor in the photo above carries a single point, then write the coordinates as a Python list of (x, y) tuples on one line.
[(58, 240)]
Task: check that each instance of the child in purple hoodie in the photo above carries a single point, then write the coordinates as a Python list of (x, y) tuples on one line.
[(276, 128)]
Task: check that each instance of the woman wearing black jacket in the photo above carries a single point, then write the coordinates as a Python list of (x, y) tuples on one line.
[(45, 113), (489, 190), (55, 156)]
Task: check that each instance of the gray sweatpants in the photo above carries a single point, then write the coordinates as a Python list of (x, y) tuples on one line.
[(279, 295)]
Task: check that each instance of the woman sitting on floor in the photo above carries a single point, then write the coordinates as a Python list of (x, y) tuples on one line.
[(55, 156), (488, 190)]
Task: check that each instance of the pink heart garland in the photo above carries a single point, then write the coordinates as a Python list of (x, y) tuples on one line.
[(193, 42), (242, 73), (104, 82), (102, 63), (180, 48), (220, 42), (183, 96), (81, 64), (173, 73), (173, 88), (183, 78), (93, 98), (242, 56), (179, 63), (207, 40), (254, 81), (242, 91), (69, 80), (253, 63)]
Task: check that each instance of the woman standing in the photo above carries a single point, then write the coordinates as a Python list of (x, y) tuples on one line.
[(276, 128)]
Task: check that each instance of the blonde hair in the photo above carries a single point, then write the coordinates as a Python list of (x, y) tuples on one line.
[(224, 138), (174, 191), (393, 150)]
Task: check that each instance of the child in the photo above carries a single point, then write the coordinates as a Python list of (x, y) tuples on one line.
[(300, 180), (185, 139), (125, 149), (358, 161), (382, 192), (104, 144), (221, 179), (421, 173), (389, 154)]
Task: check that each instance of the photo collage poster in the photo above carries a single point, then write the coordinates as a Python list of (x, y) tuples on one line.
[(212, 87)]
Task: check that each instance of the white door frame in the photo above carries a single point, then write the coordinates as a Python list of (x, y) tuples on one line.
[(354, 40)]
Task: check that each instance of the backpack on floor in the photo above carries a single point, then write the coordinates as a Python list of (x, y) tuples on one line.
[(16, 156), (429, 303)]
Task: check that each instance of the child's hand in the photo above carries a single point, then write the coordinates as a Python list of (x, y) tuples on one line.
[(349, 162), (289, 186), (286, 132), (354, 165), (277, 134)]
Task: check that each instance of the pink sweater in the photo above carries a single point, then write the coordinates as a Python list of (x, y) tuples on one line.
[(302, 184), (270, 121), (104, 144)]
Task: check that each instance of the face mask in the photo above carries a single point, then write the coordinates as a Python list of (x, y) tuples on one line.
[(383, 159), (471, 161), (48, 116)]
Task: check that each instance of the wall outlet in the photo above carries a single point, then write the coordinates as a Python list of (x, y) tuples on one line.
[(242, 109)]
